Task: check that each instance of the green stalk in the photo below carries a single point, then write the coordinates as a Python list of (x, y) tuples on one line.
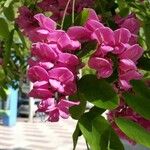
[(64, 15), (73, 10)]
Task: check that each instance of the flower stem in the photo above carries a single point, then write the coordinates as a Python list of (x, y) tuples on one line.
[(64, 15), (73, 9)]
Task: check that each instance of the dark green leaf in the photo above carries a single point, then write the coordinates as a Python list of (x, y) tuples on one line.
[(77, 111), (3, 93), (8, 45), (98, 92), (9, 12), (98, 133), (2, 73), (147, 32), (144, 63), (75, 136), (134, 131), (123, 7), (107, 137), (4, 31), (85, 125), (139, 101)]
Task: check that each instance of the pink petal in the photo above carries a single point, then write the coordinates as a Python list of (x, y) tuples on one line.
[(130, 75), (45, 22), (37, 73), (103, 66), (46, 65), (55, 35), (104, 73), (40, 93), (66, 43), (41, 84), (43, 64), (64, 113), (134, 52), (119, 48), (134, 39), (122, 35), (67, 103), (54, 115), (106, 49), (68, 59), (56, 85), (61, 74), (97, 63), (125, 85), (78, 33), (44, 51), (92, 15), (132, 24), (92, 25), (105, 35), (127, 64), (70, 88)]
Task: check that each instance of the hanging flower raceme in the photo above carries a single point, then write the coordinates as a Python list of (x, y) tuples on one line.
[(53, 69), (113, 52)]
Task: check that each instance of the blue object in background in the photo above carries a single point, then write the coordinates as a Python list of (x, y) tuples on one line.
[(10, 117)]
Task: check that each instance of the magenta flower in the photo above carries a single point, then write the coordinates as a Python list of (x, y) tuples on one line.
[(37, 73), (26, 20), (45, 22), (102, 66), (133, 53), (41, 93), (126, 77), (132, 24), (44, 51), (62, 80), (56, 110)]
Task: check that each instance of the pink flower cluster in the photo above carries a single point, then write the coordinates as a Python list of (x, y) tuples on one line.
[(123, 110), (113, 50), (57, 7), (53, 68)]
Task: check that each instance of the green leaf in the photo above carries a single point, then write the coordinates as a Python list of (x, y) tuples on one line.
[(4, 31), (97, 91), (134, 131), (123, 7), (107, 137), (147, 32), (3, 93), (7, 3), (85, 125), (75, 136), (82, 17), (139, 101), (7, 49), (77, 111), (98, 133), (2, 73), (144, 63), (9, 12)]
